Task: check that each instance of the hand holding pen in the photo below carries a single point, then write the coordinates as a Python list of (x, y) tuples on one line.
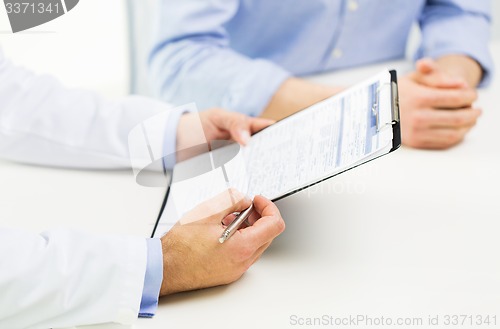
[(208, 262), (236, 224)]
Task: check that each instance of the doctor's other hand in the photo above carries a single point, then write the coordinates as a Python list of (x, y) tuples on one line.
[(436, 109), (193, 257), (217, 124)]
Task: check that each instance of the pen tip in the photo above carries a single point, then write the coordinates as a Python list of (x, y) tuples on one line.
[(221, 240)]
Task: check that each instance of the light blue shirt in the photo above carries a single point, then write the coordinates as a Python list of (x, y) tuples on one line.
[(235, 54)]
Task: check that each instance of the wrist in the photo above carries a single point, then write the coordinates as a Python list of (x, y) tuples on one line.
[(462, 66), (166, 288), (296, 94), (172, 246)]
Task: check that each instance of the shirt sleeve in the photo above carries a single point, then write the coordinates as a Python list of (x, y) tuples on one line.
[(192, 60), (152, 279), (458, 27)]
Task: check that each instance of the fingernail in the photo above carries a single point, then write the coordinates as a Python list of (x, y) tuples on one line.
[(245, 137)]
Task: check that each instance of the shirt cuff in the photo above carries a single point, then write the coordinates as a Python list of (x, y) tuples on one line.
[(446, 36), (152, 280)]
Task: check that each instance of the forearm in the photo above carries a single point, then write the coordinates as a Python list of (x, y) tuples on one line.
[(192, 60), (42, 122), (215, 76), (462, 66), (294, 95)]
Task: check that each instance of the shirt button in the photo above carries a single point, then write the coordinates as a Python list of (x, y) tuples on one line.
[(337, 53), (353, 5)]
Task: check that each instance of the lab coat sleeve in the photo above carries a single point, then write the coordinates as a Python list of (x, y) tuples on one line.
[(62, 278), (44, 123)]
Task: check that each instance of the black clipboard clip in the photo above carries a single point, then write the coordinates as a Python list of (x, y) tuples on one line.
[(395, 122)]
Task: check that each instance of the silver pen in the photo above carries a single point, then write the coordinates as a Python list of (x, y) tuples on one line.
[(236, 224)]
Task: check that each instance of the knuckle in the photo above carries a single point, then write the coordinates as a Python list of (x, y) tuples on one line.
[(242, 117), (412, 139), (416, 143), (245, 252), (454, 136), (279, 224), (474, 95), (427, 98), (419, 119), (459, 120)]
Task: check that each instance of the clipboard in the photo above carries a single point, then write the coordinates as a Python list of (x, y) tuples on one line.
[(391, 123)]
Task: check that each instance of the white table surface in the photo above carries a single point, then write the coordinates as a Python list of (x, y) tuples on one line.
[(413, 234)]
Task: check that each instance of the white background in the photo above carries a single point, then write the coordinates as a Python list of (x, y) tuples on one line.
[(87, 47), (496, 19)]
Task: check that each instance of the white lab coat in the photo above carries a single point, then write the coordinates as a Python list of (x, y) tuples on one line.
[(65, 278)]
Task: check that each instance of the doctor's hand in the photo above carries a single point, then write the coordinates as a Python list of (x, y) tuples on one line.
[(217, 124), (436, 107), (194, 259)]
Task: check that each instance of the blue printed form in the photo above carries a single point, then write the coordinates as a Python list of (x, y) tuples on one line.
[(327, 138)]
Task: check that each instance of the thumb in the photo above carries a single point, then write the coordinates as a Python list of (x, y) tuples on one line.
[(242, 129), (236, 124)]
